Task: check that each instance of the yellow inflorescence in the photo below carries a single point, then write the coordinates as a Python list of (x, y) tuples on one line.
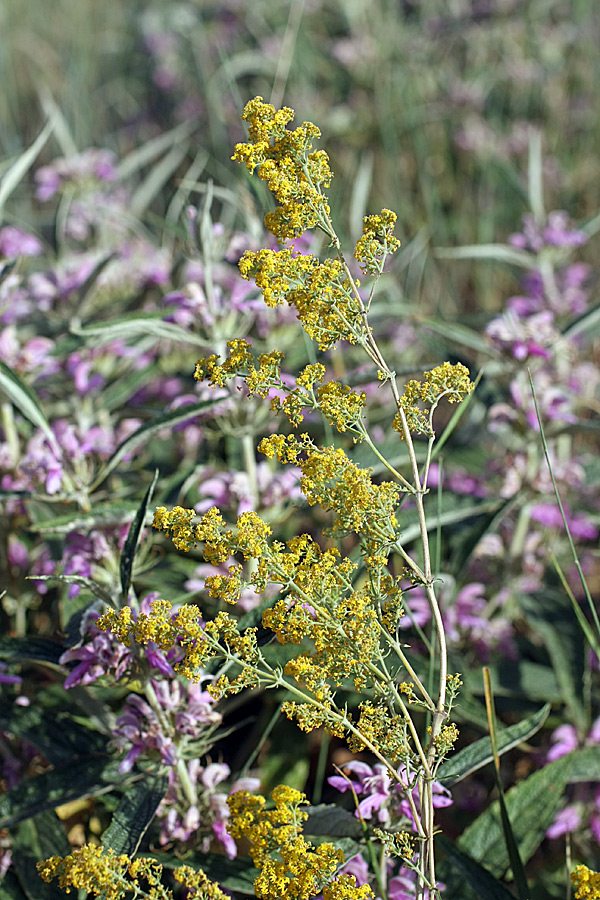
[(320, 292), (450, 381), (586, 882), (377, 242), (291, 868), (114, 877), (295, 173)]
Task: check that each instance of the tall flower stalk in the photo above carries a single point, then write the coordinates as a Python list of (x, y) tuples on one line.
[(345, 608)]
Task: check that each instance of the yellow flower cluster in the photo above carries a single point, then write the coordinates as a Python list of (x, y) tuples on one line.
[(248, 538), (291, 868), (383, 729), (377, 242), (294, 172), (200, 642), (586, 882), (332, 480), (104, 874), (340, 405), (240, 362), (320, 292), (446, 380)]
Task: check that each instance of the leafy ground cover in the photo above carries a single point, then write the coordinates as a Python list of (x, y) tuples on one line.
[(123, 223)]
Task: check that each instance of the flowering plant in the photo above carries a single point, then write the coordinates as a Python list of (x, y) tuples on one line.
[(332, 604)]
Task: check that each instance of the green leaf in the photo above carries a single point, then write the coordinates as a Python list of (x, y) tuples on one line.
[(331, 820), (96, 589), (135, 325), (587, 324), (500, 252), (27, 401), (103, 515), (33, 648), (10, 889), (479, 754), (134, 814), (151, 150), (484, 884), (22, 164), (531, 805), (39, 838), (455, 333), (146, 431), (236, 875), (55, 734), (131, 542), (452, 517), (83, 777), (553, 622)]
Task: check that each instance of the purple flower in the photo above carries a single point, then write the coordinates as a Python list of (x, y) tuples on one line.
[(14, 242), (567, 820)]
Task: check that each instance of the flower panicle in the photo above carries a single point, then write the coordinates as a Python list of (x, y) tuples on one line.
[(111, 876)]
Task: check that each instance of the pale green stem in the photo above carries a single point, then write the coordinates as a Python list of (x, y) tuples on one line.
[(10, 432)]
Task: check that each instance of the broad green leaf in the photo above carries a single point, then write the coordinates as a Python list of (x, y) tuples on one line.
[(532, 806), (33, 648), (146, 431), (131, 542), (102, 515), (500, 252), (134, 814), (482, 882), (36, 839), (479, 754), (332, 820), (84, 777), (26, 400), (22, 164), (88, 583), (137, 324), (55, 734)]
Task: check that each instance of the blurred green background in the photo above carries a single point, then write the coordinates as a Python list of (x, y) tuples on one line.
[(426, 107)]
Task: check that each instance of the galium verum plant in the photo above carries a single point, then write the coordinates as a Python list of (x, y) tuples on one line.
[(342, 612)]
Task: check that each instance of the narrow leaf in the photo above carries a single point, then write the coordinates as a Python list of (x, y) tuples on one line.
[(26, 400), (22, 164), (479, 754), (102, 515), (151, 150), (146, 431), (131, 542), (136, 325), (157, 178), (134, 814), (88, 583), (455, 333), (500, 252)]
